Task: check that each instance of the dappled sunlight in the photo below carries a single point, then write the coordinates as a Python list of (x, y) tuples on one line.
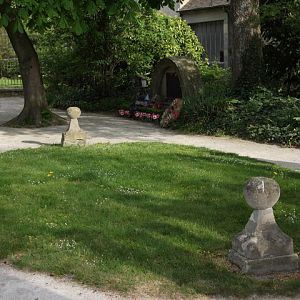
[(117, 216), (107, 128)]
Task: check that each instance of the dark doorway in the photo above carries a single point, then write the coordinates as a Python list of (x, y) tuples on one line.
[(173, 86)]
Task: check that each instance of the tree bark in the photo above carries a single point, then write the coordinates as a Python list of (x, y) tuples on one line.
[(34, 91), (246, 55)]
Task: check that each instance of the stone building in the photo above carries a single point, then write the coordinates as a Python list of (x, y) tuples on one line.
[(209, 20)]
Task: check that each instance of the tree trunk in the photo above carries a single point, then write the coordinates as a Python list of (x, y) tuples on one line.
[(34, 91), (246, 53)]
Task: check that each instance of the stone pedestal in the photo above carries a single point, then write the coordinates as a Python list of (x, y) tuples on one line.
[(74, 136), (262, 248)]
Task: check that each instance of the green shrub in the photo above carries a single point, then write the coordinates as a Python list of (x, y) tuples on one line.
[(280, 20), (206, 112), (9, 68), (85, 98), (105, 61), (6, 49), (213, 73), (269, 118), (265, 117)]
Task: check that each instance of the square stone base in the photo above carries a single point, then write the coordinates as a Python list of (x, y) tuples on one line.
[(73, 139), (263, 266)]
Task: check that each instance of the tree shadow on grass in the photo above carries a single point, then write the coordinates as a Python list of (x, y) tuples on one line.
[(167, 246), (182, 236), (152, 252)]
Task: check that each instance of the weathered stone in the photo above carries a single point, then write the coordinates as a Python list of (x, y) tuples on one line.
[(261, 192), (262, 248), (186, 70), (74, 136)]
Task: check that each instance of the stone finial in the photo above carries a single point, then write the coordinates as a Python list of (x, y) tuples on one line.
[(261, 193), (74, 135), (73, 112), (262, 248)]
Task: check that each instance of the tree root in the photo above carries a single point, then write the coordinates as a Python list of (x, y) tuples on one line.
[(47, 118)]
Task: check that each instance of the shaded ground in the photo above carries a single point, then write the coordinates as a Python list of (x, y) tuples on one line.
[(107, 128)]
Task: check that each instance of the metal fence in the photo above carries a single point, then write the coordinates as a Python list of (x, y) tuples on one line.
[(9, 67)]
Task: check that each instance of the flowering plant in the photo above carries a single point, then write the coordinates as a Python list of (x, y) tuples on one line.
[(172, 113), (141, 114)]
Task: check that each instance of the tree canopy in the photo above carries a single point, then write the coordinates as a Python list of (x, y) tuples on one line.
[(106, 63), (18, 15), (281, 33), (40, 14)]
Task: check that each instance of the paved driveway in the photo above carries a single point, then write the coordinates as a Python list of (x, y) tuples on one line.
[(107, 128)]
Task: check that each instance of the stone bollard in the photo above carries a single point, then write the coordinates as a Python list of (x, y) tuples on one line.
[(74, 135), (262, 248)]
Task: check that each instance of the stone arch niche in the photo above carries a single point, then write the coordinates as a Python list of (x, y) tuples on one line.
[(175, 77)]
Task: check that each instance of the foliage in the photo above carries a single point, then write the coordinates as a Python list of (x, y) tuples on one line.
[(281, 32), (122, 217), (108, 61), (264, 117), (213, 72), (38, 15), (259, 114), (269, 118), (6, 50), (85, 98), (157, 36), (66, 14), (206, 112), (9, 68)]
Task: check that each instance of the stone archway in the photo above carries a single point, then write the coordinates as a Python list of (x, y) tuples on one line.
[(175, 77)]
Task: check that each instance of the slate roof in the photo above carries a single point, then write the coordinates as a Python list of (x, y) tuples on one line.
[(202, 4)]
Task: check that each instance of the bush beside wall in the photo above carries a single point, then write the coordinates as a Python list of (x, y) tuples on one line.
[(264, 117)]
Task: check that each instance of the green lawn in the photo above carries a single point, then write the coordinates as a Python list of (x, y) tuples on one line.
[(10, 83), (129, 217)]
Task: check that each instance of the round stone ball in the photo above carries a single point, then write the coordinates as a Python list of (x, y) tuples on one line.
[(261, 192), (73, 112)]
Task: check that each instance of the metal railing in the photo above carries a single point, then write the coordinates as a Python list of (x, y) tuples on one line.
[(9, 67)]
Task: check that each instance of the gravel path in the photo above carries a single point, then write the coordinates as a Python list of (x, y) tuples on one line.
[(20, 285), (107, 128)]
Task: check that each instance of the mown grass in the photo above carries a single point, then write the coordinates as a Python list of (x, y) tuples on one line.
[(147, 216)]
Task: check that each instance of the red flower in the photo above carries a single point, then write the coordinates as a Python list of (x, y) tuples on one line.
[(175, 114)]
